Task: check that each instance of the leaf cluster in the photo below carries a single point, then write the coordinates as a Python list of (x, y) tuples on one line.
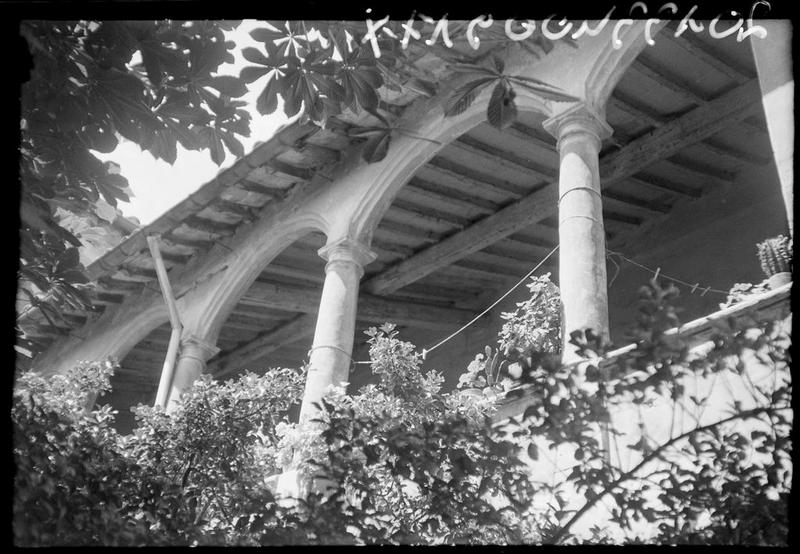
[(401, 462), (154, 83)]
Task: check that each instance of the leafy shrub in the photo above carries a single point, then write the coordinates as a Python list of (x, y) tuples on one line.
[(74, 482), (536, 323), (403, 462)]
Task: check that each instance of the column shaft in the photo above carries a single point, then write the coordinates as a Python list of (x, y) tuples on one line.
[(773, 56), (582, 252), (190, 365), (329, 362)]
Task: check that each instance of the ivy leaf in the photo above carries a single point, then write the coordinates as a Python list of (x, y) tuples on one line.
[(546, 91), (214, 144), (232, 144), (377, 146), (502, 110), (288, 37), (152, 65), (227, 85), (463, 97), (101, 139), (423, 86), (252, 73), (69, 259), (188, 138), (267, 101), (254, 55), (178, 107), (267, 36), (475, 68), (533, 451)]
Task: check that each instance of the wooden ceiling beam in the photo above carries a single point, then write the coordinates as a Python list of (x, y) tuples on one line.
[(453, 195), (432, 215), (242, 323), (305, 300), (210, 226), (198, 244), (301, 173), (636, 110), (524, 251), (538, 234), (692, 127), (661, 143), (254, 312), (737, 154), (234, 208), (457, 276), (643, 113), (480, 149), (391, 249), (703, 168), (252, 186), (409, 231), (529, 134), (293, 273), (662, 185), (611, 215), (300, 328), (668, 80), (705, 53), (503, 264), (620, 199), (478, 179), (488, 270), (655, 119)]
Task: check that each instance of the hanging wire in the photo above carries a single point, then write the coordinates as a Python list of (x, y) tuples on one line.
[(610, 255), (657, 273), (342, 350), (425, 351)]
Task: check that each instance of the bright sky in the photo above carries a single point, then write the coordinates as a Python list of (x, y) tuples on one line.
[(157, 185)]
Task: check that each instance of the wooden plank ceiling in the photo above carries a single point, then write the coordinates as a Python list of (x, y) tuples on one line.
[(686, 118)]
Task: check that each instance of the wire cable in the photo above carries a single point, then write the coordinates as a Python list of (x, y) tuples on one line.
[(657, 273), (425, 351)]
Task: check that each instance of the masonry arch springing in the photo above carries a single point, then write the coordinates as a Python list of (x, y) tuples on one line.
[(216, 300), (613, 62), (408, 154), (112, 336)]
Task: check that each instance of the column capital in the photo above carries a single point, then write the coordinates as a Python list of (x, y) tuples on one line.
[(193, 346), (578, 119), (347, 250)]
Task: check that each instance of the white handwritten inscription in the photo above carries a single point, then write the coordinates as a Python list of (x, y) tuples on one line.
[(555, 30)]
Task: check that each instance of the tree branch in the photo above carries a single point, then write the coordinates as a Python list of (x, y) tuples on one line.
[(626, 476)]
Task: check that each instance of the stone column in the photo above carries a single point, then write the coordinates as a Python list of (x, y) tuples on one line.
[(773, 56), (582, 251), (330, 360), (194, 354)]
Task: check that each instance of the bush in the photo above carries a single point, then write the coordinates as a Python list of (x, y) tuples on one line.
[(403, 462)]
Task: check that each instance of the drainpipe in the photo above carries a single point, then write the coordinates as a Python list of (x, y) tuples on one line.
[(168, 370)]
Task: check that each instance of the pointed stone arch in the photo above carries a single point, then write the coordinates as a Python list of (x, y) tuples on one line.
[(210, 305), (432, 131), (113, 336), (613, 62)]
